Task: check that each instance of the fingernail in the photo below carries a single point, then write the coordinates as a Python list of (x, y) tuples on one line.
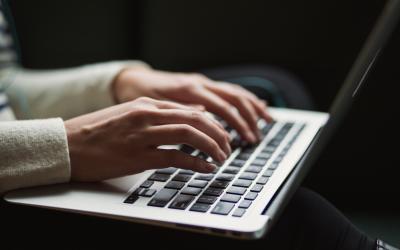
[(228, 146), (251, 137), (210, 168), (222, 156)]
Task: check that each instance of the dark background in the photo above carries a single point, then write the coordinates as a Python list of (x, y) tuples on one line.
[(316, 40)]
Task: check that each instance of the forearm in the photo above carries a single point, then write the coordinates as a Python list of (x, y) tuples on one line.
[(33, 153), (64, 93)]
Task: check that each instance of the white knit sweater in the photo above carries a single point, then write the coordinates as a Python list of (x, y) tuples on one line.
[(35, 151)]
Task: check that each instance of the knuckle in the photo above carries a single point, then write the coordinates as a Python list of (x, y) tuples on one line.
[(185, 130), (188, 86), (197, 116), (239, 100), (141, 114), (224, 106), (144, 99), (198, 76)]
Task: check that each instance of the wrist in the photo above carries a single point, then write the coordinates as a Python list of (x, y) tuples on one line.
[(72, 132), (123, 85)]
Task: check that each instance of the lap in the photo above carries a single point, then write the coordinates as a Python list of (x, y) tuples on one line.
[(308, 222)]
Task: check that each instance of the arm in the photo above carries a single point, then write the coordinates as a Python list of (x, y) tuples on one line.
[(40, 152), (64, 93)]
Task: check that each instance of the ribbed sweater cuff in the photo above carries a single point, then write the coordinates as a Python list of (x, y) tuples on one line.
[(32, 153)]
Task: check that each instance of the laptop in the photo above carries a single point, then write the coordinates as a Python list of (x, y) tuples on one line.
[(244, 197)]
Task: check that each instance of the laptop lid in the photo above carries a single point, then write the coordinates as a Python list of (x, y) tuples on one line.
[(373, 46)]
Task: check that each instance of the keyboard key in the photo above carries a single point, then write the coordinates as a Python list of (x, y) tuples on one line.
[(256, 188), (200, 207), (245, 204), (187, 149), (147, 192), (239, 212), (219, 184), (264, 155), (278, 159), (182, 201), (284, 151), (254, 169), (137, 191), (186, 171), (182, 177), (268, 173), (213, 191), (203, 156), (168, 171), (198, 183), (279, 137), (225, 177), (262, 180), (208, 199), (230, 198), (242, 183), (162, 197), (237, 142), (274, 143), (236, 190), (265, 130), (147, 184), (131, 199), (159, 177), (259, 162), (251, 196), (215, 170), (175, 185), (248, 148), (237, 163), (204, 177), (243, 156), (269, 149), (273, 166), (223, 208), (231, 170), (191, 190), (248, 176)]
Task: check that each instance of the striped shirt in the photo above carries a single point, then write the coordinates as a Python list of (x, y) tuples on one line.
[(8, 59)]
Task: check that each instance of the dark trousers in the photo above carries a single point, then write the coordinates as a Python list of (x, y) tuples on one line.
[(308, 222)]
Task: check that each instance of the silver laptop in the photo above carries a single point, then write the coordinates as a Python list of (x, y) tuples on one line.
[(244, 196)]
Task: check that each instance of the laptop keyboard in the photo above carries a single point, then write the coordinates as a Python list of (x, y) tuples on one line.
[(229, 190)]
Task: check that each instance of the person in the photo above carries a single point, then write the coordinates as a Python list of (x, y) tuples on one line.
[(107, 120)]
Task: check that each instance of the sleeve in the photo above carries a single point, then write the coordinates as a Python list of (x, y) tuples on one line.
[(64, 93), (32, 153)]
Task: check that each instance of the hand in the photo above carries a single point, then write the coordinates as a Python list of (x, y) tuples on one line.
[(196, 89), (124, 139)]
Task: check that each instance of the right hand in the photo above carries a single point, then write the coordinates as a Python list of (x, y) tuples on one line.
[(124, 139)]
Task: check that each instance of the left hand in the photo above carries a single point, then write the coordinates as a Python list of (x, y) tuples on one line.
[(195, 89)]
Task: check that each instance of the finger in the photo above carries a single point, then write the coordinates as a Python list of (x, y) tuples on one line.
[(174, 105), (222, 108), (173, 134), (197, 106), (212, 117), (241, 102), (161, 158), (262, 109), (260, 106), (196, 119)]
